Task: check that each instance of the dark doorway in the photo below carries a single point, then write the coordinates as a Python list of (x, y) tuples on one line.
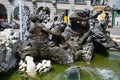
[(3, 12)]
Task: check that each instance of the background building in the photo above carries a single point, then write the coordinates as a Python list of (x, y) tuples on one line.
[(8, 9), (55, 6), (116, 13)]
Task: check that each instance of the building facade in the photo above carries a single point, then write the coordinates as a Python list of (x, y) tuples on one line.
[(8, 7), (55, 6)]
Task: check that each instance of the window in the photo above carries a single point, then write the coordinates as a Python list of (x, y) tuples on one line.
[(39, 0), (28, 0), (95, 2), (80, 1), (44, 0), (62, 0)]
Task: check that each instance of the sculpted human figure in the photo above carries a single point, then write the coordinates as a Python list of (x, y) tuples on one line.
[(79, 33)]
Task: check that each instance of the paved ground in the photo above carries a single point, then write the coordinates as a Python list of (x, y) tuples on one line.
[(115, 31)]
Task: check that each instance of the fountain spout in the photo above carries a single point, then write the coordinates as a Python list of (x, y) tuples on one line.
[(23, 16)]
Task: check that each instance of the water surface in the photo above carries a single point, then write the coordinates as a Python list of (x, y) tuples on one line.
[(101, 68)]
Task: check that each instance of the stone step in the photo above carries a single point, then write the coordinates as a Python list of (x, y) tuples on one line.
[(115, 37), (116, 40)]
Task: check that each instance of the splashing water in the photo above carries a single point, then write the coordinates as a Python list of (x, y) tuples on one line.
[(23, 20), (114, 56), (106, 74), (23, 17)]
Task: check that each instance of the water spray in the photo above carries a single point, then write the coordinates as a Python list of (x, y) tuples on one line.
[(20, 12), (23, 20)]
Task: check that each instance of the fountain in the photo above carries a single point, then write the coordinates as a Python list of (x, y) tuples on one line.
[(9, 40), (68, 43), (23, 15)]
